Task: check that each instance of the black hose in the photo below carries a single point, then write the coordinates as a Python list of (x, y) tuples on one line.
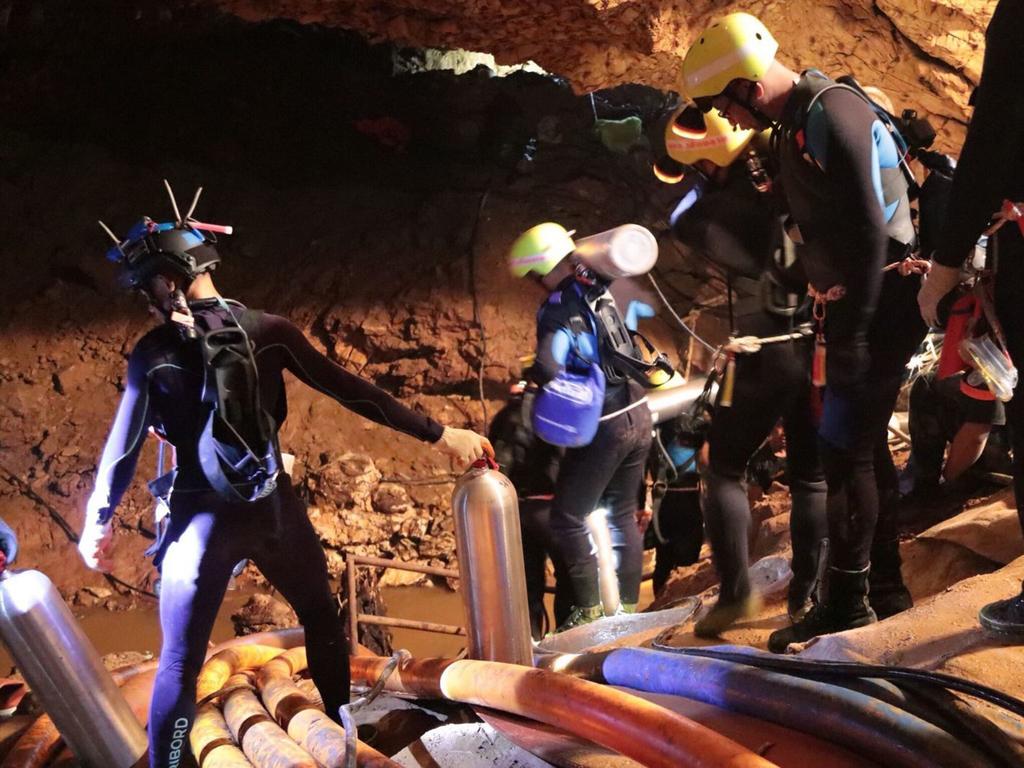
[(807, 668)]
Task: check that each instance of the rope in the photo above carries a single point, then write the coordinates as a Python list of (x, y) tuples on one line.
[(677, 318), (909, 266), (346, 710), (746, 345), (1010, 211)]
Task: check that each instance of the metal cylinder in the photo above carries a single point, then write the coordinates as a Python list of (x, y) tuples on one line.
[(65, 673), (669, 402), (492, 577)]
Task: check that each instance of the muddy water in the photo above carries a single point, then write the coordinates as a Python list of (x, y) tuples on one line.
[(139, 629)]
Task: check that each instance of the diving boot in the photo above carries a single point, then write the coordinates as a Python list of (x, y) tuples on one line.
[(888, 594), (579, 617), (805, 588), (725, 614), (1004, 616), (845, 607), (625, 609)]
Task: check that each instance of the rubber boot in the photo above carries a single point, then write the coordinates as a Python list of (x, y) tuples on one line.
[(845, 607), (580, 616), (1004, 616), (805, 588), (808, 526), (726, 613), (888, 594)]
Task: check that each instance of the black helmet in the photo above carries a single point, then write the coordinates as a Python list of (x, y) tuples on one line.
[(150, 247)]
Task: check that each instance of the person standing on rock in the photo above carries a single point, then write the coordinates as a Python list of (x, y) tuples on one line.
[(172, 385), (989, 184), (609, 469), (728, 216), (841, 174)]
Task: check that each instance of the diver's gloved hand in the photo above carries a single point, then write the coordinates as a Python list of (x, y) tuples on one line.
[(940, 281), (8, 542), (94, 545), (464, 445)]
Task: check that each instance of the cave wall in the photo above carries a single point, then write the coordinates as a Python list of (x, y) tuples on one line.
[(373, 204), (372, 209), (925, 53)]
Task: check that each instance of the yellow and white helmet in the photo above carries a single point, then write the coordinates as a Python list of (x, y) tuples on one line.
[(737, 46), (539, 249)]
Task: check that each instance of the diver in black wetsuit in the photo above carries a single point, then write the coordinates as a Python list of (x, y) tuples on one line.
[(991, 170), (733, 224), (207, 534), (839, 170)]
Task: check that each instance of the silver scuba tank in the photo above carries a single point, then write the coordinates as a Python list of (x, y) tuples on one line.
[(65, 673), (668, 402), (491, 571)]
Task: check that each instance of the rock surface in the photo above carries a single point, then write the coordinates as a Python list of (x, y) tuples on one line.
[(926, 54)]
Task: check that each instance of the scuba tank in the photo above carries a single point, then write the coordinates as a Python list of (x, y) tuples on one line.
[(65, 673), (491, 571)]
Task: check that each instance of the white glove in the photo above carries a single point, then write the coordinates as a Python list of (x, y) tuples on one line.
[(95, 543), (939, 281), (464, 445)]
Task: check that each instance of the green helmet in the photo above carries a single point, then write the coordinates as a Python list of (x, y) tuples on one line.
[(540, 249)]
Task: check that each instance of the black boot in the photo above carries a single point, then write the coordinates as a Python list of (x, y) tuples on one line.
[(889, 595), (805, 586), (845, 607), (1004, 616)]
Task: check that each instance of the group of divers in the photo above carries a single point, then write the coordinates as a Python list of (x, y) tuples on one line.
[(798, 188)]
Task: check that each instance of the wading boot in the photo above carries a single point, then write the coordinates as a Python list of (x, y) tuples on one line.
[(845, 607), (625, 609), (1004, 616), (888, 594), (579, 617), (805, 588), (725, 614)]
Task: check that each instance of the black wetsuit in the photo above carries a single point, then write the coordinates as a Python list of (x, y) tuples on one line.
[(991, 169), (207, 535), (735, 228), (610, 469), (532, 466), (833, 166)]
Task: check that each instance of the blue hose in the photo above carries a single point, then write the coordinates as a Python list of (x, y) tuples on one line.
[(867, 726)]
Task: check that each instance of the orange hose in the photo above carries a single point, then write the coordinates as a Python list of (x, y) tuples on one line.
[(639, 729), (230, 661), (262, 740), (306, 723), (212, 743), (36, 747)]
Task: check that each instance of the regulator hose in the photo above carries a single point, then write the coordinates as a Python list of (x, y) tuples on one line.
[(845, 669)]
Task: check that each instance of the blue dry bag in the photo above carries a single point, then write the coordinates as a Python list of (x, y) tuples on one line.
[(567, 409)]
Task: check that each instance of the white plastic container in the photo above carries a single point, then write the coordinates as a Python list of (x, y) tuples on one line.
[(993, 365), (625, 251)]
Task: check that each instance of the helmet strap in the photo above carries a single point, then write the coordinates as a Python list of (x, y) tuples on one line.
[(181, 315), (755, 112)]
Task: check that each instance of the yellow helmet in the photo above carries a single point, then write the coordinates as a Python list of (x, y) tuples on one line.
[(692, 135), (737, 46), (539, 249)]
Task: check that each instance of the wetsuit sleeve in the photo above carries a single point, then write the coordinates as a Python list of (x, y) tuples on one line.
[(992, 154), (355, 393), (128, 433)]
